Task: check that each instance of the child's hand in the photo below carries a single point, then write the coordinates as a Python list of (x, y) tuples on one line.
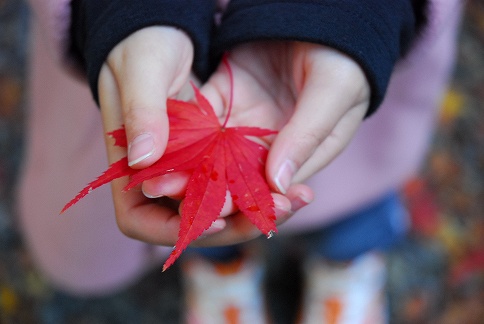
[(316, 96), (139, 75)]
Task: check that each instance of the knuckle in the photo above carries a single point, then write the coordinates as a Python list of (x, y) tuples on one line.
[(132, 113), (126, 227), (309, 140), (138, 117)]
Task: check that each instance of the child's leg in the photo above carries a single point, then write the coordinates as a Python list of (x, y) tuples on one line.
[(345, 274), (223, 285)]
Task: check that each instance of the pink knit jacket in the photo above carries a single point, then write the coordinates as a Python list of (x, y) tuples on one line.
[(84, 252)]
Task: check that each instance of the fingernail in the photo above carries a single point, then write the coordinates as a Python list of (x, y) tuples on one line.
[(140, 148), (300, 202), (284, 176), (151, 196), (217, 226), (281, 209)]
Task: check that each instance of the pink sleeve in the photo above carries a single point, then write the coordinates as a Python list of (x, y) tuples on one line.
[(54, 18)]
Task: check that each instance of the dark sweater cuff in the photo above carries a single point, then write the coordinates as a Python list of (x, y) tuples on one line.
[(373, 32), (99, 25)]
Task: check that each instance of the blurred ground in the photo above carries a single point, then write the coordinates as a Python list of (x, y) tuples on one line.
[(436, 276)]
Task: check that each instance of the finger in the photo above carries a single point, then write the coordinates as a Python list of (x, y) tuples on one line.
[(174, 185), (229, 206), (322, 103), (171, 185), (148, 220), (299, 195), (217, 226), (333, 144), (149, 66), (156, 223), (238, 228)]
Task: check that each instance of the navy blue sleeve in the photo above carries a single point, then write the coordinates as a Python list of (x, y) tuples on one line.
[(375, 33), (99, 25)]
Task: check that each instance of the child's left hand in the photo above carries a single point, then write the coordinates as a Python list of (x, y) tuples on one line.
[(314, 95)]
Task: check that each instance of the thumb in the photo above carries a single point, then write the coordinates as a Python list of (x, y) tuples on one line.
[(325, 118), (148, 67)]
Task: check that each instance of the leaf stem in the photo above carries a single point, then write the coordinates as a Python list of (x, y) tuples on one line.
[(225, 61)]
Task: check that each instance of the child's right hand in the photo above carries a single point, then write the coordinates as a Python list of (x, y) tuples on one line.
[(139, 75)]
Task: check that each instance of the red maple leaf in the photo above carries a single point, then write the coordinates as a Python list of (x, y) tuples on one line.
[(220, 158)]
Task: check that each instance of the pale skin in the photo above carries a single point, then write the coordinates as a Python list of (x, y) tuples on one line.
[(315, 96)]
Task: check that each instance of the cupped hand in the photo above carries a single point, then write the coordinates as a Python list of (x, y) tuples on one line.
[(314, 95)]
